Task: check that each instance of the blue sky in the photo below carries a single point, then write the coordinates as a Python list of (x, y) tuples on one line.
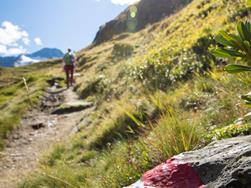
[(28, 25)]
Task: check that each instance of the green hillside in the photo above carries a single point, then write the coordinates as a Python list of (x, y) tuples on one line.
[(158, 92)]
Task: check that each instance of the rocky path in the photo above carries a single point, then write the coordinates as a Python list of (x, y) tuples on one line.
[(54, 120)]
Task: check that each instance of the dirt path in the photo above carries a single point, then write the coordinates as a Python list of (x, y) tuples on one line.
[(40, 130)]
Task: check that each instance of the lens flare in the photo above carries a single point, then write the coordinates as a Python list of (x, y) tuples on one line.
[(133, 11), (133, 14), (132, 20)]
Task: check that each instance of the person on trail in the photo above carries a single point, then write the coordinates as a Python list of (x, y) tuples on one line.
[(69, 66)]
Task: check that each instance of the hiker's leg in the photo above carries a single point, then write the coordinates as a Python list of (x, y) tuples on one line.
[(67, 76), (71, 75), (67, 79)]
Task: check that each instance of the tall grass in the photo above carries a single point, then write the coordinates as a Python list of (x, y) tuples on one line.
[(61, 176), (128, 161), (174, 135)]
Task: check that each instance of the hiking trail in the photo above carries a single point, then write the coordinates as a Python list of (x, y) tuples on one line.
[(54, 120)]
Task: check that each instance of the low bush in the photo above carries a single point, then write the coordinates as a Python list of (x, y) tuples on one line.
[(122, 50), (229, 132), (160, 71)]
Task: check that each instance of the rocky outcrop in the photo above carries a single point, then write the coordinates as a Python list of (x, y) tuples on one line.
[(225, 163), (137, 16)]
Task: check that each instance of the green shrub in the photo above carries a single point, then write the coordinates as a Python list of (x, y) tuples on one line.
[(122, 50), (229, 132), (160, 70), (235, 45)]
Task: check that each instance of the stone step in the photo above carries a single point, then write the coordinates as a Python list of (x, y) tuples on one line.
[(55, 91), (71, 107)]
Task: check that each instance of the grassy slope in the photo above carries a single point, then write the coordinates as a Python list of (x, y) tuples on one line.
[(14, 101), (146, 113)]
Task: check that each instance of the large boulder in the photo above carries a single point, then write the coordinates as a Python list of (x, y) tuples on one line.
[(224, 163)]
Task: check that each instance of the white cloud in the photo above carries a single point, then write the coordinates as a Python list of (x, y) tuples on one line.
[(12, 50), (3, 49), (10, 33), (16, 51), (10, 38), (124, 2), (26, 41), (38, 41)]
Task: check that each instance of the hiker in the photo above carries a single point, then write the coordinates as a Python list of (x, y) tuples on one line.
[(69, 66)]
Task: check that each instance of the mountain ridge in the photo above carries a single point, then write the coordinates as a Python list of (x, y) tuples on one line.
[(25, 59), (136, 17)]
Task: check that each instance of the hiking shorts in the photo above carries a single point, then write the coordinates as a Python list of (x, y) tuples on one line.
[(69, 68)]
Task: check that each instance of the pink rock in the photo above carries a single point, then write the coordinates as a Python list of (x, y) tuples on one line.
[(172, 174)]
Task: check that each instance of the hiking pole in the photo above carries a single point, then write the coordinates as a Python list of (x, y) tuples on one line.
[(27, 89)]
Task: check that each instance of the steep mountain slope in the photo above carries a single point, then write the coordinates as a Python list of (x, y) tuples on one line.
[(137, 17), (157, 93)]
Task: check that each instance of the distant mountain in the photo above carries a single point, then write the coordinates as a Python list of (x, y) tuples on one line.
[(47, 53), (8, 61), (26, 59)]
